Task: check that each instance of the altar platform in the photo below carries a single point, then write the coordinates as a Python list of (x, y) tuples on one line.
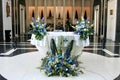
[(24, 67)]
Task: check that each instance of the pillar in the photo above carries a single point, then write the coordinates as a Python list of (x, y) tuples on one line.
[(73, 11), (45, 11), (27, 17), (36, 9), (54, 14), (64, 14)]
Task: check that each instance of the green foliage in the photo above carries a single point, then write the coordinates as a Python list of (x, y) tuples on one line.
[(53, 47), (69, 48)]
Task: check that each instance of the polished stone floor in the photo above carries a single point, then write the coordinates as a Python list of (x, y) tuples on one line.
[(110, 55), (25, 67), (111, 49)]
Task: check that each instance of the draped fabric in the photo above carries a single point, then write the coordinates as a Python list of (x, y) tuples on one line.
[(66, 38)]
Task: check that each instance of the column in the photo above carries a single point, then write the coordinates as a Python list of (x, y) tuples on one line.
[(73, 11), (54, 14), (91, 10), (45, 11), (36, 9), (64, 14), (14, 17), (27, 17), (17, 17), (104, 23), (101, 17), (82, 10)]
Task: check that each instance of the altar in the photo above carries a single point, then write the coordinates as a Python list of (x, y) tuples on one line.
[(44, 44), (63, 50)]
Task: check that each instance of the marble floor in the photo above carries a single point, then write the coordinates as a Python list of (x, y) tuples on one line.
[(19, 61), (25, 67)]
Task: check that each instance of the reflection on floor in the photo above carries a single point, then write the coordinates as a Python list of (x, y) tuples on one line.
[(94, 47)]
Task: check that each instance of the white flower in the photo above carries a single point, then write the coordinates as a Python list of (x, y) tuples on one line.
[(73, 66), (38, 18), (77, 22), (92, 25), (32, 24), (85, 29), (42, 25)]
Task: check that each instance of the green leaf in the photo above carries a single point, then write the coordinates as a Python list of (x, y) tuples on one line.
[(53, 47), (69, 48)]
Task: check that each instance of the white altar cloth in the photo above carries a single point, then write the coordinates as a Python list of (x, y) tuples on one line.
[(56, 35), (66, 36)]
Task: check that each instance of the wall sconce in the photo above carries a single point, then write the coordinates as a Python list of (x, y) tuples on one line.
[(111, 12)]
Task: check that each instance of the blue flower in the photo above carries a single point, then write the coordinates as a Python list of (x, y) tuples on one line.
[(59, 56), (66, 55), (77, 32), (45, 25), (76, 63), (45, 67), (37, 26), (51, 59), (43, 19), (87, 21), (50, 69), (61, 61), (60, 64), (80, 24), (33, 19), (41, 30), (69, 60)]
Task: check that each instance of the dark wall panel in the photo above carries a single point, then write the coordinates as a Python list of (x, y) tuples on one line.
[(1, 22), (118, 22), (22, 2), (97, 2)]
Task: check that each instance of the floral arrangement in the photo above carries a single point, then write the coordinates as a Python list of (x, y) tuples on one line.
[(37, 27), (83, 28), (58, 64)]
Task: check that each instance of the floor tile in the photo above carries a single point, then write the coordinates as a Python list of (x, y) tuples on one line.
[(2, 78)]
